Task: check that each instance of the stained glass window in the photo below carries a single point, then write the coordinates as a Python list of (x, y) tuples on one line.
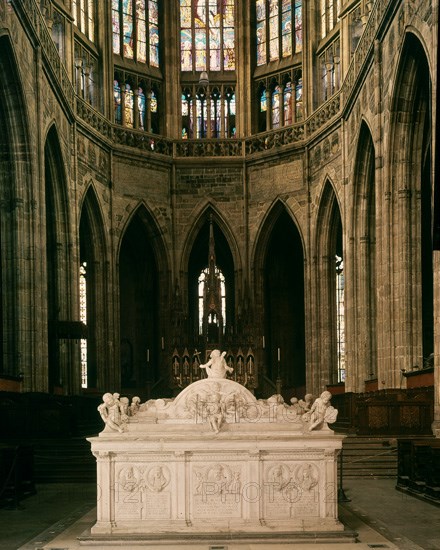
[(136, 30), (340, 317), (276, 107), (83, 318), (299, 99), (287, 104), (142, 103), (83, 12), (187, 115), (263, 101), (117, 98), (211, 115), (207, 35), (278, 29), (230, 129), (202, 281), (128, 105)]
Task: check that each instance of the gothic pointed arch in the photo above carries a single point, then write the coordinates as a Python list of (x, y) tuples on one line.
[(208, 253), (144, 290), (280, 298), (412, 191), (328, 331), (363, 251), (93, 284), (62, 375), (17, 191)]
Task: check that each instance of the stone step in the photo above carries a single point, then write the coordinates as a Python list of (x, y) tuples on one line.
[(64, 460), (365, 457)]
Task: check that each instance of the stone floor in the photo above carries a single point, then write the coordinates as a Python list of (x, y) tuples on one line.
[(53, 518)]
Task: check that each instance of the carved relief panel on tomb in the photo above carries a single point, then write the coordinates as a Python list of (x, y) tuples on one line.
[(143, 493), (291, 490), (216, 491)]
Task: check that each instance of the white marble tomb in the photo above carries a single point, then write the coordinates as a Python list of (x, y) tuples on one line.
[(215, 460)]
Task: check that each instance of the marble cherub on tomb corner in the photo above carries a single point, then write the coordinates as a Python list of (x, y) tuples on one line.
[(321, 412), (111, 414), (217, 367)]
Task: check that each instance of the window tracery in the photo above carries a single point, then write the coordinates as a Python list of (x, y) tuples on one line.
[(136, 30), (83, 12), (280, 101), (278, 29), (329, 66), (86, 74), (135, 102), (208, 112), (329, 15)]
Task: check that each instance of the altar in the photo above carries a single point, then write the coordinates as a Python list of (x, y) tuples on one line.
[(215, 461)]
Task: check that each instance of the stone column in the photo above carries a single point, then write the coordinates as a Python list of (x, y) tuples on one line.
[(436, 423)]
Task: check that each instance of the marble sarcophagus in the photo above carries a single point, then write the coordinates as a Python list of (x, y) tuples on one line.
[(216, 461)]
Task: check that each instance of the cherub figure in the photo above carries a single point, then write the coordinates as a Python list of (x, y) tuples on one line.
[(124, 404), (135, 405), (111, 413), (215, 411), (217, 367), (306, 403), (322, 412), (295, 406)]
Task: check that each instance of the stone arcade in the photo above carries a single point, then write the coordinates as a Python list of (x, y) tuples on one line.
[(215, 461)]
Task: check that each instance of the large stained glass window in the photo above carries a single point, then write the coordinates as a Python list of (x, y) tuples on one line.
[(207, 35), (83, 12), (278, 29), (136, 30)]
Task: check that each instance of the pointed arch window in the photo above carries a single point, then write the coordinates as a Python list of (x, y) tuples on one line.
[(340, 317), (83, 319), (136, 30), (278, 29), (207, 35), (202, 297), (83, 12)]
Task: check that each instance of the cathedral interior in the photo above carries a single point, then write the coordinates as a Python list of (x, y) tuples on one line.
[(254, 176)]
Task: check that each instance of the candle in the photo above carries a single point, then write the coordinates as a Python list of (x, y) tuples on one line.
[(264, 342), (279, 354), (163, 343), (148, 355)]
